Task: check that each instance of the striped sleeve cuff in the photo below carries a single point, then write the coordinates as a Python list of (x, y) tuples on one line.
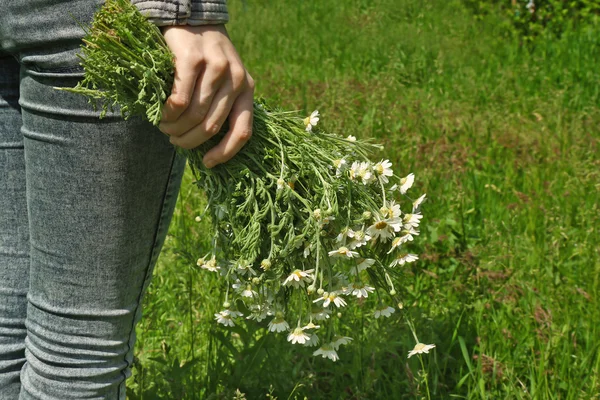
[(183, 12), (207, 12)]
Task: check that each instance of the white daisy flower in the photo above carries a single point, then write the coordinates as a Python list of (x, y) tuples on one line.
[(391, 210), (354, 171), (384, 228), (320, 314), (384, 311), (397, 242), (248, 292), (311, 121), (346, 232), (361, 265), (298, 278), (383, 170), (331, 297), (420, 348), (337, 341), (310, 325), (278, 324), (225, 317), (407, 235), (340, 165), (361, 290), (298, 336), (351, 138), (327, 351), (417, 203), (403, 259), (406, 183), (365, 172), (343, 252), (313, 340), (210, 265), (360, 239), (411, 220), (245, 269)]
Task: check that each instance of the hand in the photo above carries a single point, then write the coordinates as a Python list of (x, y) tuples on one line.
[(210, 84)]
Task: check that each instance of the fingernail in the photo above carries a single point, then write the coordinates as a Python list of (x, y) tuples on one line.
[(209, 163)]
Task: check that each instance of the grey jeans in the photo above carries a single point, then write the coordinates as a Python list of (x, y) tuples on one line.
[(84, 209)]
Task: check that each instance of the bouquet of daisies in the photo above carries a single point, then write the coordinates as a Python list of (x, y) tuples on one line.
[(304, 221)]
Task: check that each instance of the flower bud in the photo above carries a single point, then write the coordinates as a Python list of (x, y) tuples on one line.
[(311, 289), (400, 306), (256, 280), (320, 291), (226, 304), (265, 264), (367, 215), (198, 219), (339, 315), (393, 292), (280, 184), (317, 214)]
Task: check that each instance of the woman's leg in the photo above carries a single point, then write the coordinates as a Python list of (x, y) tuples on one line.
[(14, 233), (100, 194)]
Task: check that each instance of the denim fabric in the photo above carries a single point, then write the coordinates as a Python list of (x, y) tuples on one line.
[(84, 209)]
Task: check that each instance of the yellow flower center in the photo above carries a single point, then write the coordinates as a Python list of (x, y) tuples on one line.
[(381, 225)]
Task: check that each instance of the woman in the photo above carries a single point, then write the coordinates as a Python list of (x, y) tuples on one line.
[(85, 203)]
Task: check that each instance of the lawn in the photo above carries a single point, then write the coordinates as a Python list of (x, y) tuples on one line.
[(505, 140)]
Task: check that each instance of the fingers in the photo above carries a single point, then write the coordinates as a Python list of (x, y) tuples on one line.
[(210, 83), (210, 126), (240, 130), (207, 85), (186, 74)]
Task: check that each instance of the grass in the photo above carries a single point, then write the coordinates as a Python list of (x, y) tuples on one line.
[(505, 142)]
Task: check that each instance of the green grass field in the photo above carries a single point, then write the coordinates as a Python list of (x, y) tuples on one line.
[(505, 141)]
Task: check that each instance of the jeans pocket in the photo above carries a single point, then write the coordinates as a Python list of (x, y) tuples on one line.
[(45, 36)]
